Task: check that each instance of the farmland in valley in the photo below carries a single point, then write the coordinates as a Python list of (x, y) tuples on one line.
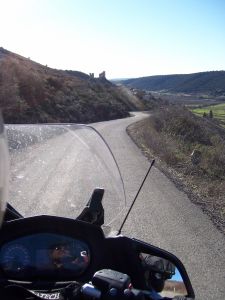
[(217, 110)]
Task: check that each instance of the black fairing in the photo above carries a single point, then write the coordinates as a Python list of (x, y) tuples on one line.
[(117, 253), (11, 213)]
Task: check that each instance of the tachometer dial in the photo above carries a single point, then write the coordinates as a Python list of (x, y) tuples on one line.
[(15, 258)]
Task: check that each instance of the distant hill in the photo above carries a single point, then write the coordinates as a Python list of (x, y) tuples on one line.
[(205, 82), (33, 93)]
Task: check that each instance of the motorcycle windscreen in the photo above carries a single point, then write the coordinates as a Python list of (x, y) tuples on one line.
[(55, 168)]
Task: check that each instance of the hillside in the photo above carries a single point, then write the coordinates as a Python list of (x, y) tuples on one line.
[(205, 82), (191, 151), (33, 93)]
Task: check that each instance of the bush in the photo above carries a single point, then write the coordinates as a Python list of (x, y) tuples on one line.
[(213, 160), (173, 133), (184, 125)]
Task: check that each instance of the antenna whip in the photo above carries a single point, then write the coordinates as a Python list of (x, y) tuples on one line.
[(152, 163)]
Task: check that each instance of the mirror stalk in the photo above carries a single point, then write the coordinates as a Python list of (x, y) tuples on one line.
[(94, 212)]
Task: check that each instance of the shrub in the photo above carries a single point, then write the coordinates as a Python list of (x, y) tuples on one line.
[(173, 133), (182, 124)]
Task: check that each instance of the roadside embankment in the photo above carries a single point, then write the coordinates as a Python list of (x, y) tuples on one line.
[(191, 152)]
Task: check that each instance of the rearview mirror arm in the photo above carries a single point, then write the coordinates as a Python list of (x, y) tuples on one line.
[(94, 212)]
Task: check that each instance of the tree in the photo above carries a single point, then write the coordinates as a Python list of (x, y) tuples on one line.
[(210, 114)]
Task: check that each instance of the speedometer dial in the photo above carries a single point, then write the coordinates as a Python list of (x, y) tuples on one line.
[(44, 255), (15, 258)]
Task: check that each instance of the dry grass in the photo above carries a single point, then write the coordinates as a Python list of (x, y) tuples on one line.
[(171, 134)]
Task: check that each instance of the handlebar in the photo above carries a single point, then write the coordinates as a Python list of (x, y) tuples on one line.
[(106, 285)]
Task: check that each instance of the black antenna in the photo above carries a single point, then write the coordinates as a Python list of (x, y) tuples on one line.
[(152, 163)]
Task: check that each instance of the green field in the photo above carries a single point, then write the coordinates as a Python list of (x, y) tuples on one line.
[(218, 112)]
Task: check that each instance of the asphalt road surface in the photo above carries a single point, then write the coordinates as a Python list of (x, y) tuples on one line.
[(165, 217), (162, 215)]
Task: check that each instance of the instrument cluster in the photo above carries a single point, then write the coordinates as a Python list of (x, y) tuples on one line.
[(44, 254)]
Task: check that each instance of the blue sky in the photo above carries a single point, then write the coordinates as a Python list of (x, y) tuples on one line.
[(126, 38)]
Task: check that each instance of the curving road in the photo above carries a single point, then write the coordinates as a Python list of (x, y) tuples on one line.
[(163, 215)]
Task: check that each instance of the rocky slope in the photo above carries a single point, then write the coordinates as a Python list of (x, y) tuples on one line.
[(33, 93)]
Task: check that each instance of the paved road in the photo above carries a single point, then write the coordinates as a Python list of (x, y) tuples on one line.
[(162, 216), (54, 170), (165, 217)]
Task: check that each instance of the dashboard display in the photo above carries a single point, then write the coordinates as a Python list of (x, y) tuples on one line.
[(44, 255), (15, 257)]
